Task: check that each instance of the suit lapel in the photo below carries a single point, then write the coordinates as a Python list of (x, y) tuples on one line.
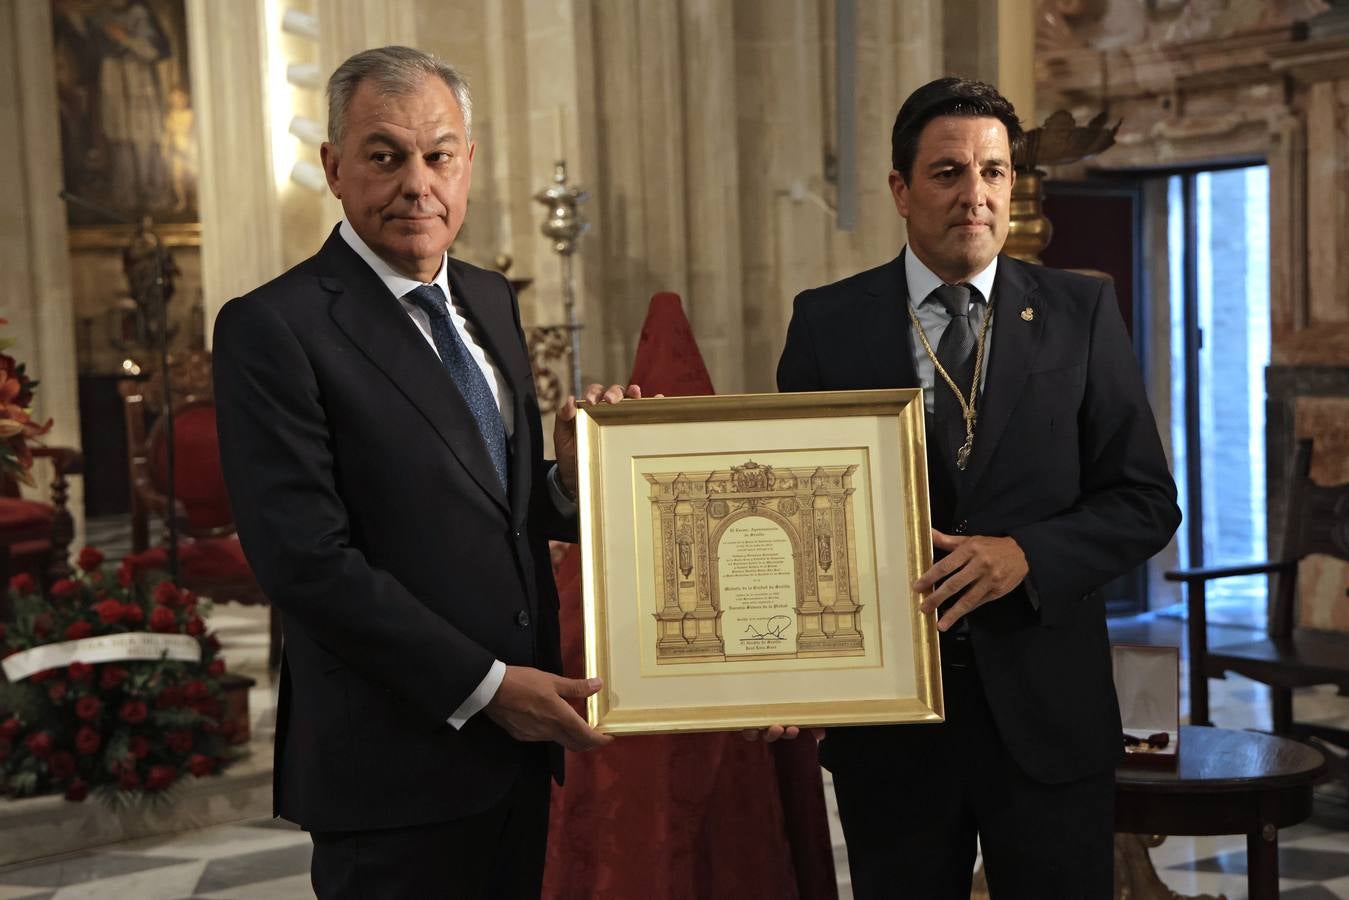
[(487, 303), (376, 324), (1015, 342), (889, 340)]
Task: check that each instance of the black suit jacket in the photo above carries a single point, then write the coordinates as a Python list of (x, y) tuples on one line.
[(373, 519), (1066, 460)]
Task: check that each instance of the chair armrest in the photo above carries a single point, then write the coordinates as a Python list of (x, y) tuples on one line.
[(65, 460), (1211, 573)]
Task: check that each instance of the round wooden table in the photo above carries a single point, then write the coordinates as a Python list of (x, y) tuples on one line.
[(1225, 782)]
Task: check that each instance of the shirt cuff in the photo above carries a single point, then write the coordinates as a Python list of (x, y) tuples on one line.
[(562, 501), (486, 690)]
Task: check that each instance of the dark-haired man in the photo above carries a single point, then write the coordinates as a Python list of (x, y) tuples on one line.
[(1047, 480)]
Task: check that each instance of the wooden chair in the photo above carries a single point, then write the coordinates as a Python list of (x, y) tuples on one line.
[(210, 560), (35, 536), (1289, 656)]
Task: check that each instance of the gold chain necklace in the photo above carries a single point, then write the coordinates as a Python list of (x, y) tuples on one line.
[(968, 408)]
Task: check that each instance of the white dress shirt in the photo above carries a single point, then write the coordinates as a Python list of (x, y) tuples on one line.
[(400, 286)]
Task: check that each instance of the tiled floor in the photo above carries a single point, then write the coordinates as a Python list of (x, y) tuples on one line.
[(269, 860)]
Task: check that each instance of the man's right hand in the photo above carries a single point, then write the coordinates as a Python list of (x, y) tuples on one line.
[(532, 706)]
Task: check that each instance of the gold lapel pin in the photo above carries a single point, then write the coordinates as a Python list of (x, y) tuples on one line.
[(1027, 315)]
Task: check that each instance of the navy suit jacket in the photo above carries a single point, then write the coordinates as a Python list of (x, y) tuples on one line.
[(372, 517), (1066, 460)]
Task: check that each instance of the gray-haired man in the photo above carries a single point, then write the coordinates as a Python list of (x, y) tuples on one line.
[(383, 449)]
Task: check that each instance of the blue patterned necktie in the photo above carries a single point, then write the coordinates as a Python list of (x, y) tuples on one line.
[(467, 375)]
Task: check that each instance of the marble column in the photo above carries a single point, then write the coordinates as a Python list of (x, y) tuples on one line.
[(35, 289), (237, 187)]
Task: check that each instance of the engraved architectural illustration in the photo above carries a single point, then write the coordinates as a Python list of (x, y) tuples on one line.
[(755, 562)]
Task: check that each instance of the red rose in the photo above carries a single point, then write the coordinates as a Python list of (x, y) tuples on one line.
[(78, 630), (215, 668), (39, 743), (61, 765), (166, 594), (195, 626), (196, 689), (126, 575), (63, 587), (5, 747), (178, 741), (109, 611), (139, 746), (9, 727), (163, 619), (132, 614), (42, 625), (200, 764), (128, 780), (80, 672), (169, 698), (160, 777), (133, 712), (77, 790), (88, 708), (89, 559), (57, 691), (23, 583), (111, 677), (44, 675), (87, 740), (189, 600)]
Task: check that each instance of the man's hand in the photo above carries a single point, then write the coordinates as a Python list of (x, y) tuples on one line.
[(532, 706), (779, 733), (986, 567), (564, 427)]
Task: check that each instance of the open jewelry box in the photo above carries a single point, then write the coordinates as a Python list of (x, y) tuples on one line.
[(1147, 680)]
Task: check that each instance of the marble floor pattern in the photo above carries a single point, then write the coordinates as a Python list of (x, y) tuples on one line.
[(267, 859)]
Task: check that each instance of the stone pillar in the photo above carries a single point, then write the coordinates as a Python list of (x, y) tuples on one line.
[(35, 289), (237, 188)]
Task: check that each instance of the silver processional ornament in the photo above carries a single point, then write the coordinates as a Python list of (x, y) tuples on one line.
[(563, 226)]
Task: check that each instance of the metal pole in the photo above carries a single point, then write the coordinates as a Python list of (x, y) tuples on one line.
[(573, 329)]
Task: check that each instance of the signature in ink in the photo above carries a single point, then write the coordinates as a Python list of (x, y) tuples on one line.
[(774, 629)]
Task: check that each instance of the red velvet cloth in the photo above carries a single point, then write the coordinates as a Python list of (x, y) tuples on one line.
[(214, 559), (198, 480), (678, 817), (26, 516)]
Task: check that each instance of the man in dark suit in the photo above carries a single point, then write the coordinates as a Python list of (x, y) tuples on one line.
[(383, 449), (1047, 479)]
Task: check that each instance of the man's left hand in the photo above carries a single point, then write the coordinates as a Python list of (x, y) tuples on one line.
[(985, 567), (564, 427)]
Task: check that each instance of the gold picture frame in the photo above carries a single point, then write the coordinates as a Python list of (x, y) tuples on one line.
[(749, 560)]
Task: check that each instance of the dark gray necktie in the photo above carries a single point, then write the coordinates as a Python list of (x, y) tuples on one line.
[(467, 375), (955, 352)]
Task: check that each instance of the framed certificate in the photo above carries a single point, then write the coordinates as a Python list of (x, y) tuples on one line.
[(749, 560)]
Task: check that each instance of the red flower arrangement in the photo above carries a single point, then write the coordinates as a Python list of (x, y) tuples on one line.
[(119, 727), (17, 427)]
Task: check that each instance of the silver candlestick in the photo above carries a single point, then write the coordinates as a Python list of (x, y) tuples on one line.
[(563, 226)]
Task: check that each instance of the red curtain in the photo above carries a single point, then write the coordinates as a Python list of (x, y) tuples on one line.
[(678, 817)]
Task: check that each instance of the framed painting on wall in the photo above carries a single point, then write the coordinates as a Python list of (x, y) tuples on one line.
[(127, 132)]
